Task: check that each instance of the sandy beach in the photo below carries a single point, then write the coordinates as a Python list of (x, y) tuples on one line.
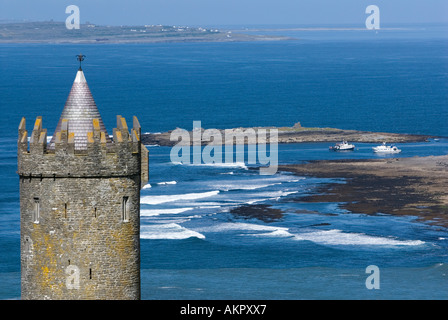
[(415, 186)]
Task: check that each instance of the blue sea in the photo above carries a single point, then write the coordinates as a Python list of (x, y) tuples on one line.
[(192, 246)]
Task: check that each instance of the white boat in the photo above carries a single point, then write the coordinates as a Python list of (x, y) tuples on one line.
[(343, 146), (386, 149)]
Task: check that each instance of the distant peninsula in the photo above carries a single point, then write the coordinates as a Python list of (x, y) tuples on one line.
[(56, 32)]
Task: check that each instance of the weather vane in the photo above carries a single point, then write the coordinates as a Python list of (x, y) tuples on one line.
[(80, 58)]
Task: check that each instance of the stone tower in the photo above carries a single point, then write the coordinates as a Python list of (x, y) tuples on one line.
[(80, 204)]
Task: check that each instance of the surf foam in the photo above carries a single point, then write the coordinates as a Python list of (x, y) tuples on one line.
[(157, 212), (338, 237), (250, 228), (176, 197), (169, 231), (166, 182), (241, 165), (229, 187)]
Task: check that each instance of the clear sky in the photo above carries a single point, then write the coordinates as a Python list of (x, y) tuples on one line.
[(227, 12)]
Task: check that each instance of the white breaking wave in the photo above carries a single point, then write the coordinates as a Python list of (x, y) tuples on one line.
[(338, 237), (157, 212), (171, 231), (147, 186), (275, 194), (287, 193), (278, 232), (252, 183), (251, 227), (167, 182), (176, 197), (270, 196), (228, 187), (209, 207), (221, 165), (325, 237)]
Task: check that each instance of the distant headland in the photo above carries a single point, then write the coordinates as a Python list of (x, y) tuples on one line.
[(56, 32)]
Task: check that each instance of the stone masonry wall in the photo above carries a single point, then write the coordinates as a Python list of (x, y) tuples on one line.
[(80, 246), (80, 214)]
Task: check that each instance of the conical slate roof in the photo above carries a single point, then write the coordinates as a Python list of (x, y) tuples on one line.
[(80, 109)]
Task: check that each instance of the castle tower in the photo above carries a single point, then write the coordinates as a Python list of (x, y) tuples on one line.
[(80, 204)]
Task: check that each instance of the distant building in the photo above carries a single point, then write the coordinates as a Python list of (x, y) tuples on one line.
[(80, 204)]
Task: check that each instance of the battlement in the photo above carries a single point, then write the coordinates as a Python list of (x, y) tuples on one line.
[(125, 155)]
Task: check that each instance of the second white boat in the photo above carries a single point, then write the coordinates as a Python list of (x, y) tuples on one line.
[(386, 149)]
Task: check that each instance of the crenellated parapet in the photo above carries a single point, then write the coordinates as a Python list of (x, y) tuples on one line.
[(125, 155)]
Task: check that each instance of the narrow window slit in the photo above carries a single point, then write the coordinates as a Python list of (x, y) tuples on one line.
[(125, 209), (36, 211)]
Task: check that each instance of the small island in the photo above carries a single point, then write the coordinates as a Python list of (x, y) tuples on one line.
[(295, 134)]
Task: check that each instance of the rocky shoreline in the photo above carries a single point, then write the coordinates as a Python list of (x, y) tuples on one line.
[(414, 186), (398, 186), (294, 134)]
